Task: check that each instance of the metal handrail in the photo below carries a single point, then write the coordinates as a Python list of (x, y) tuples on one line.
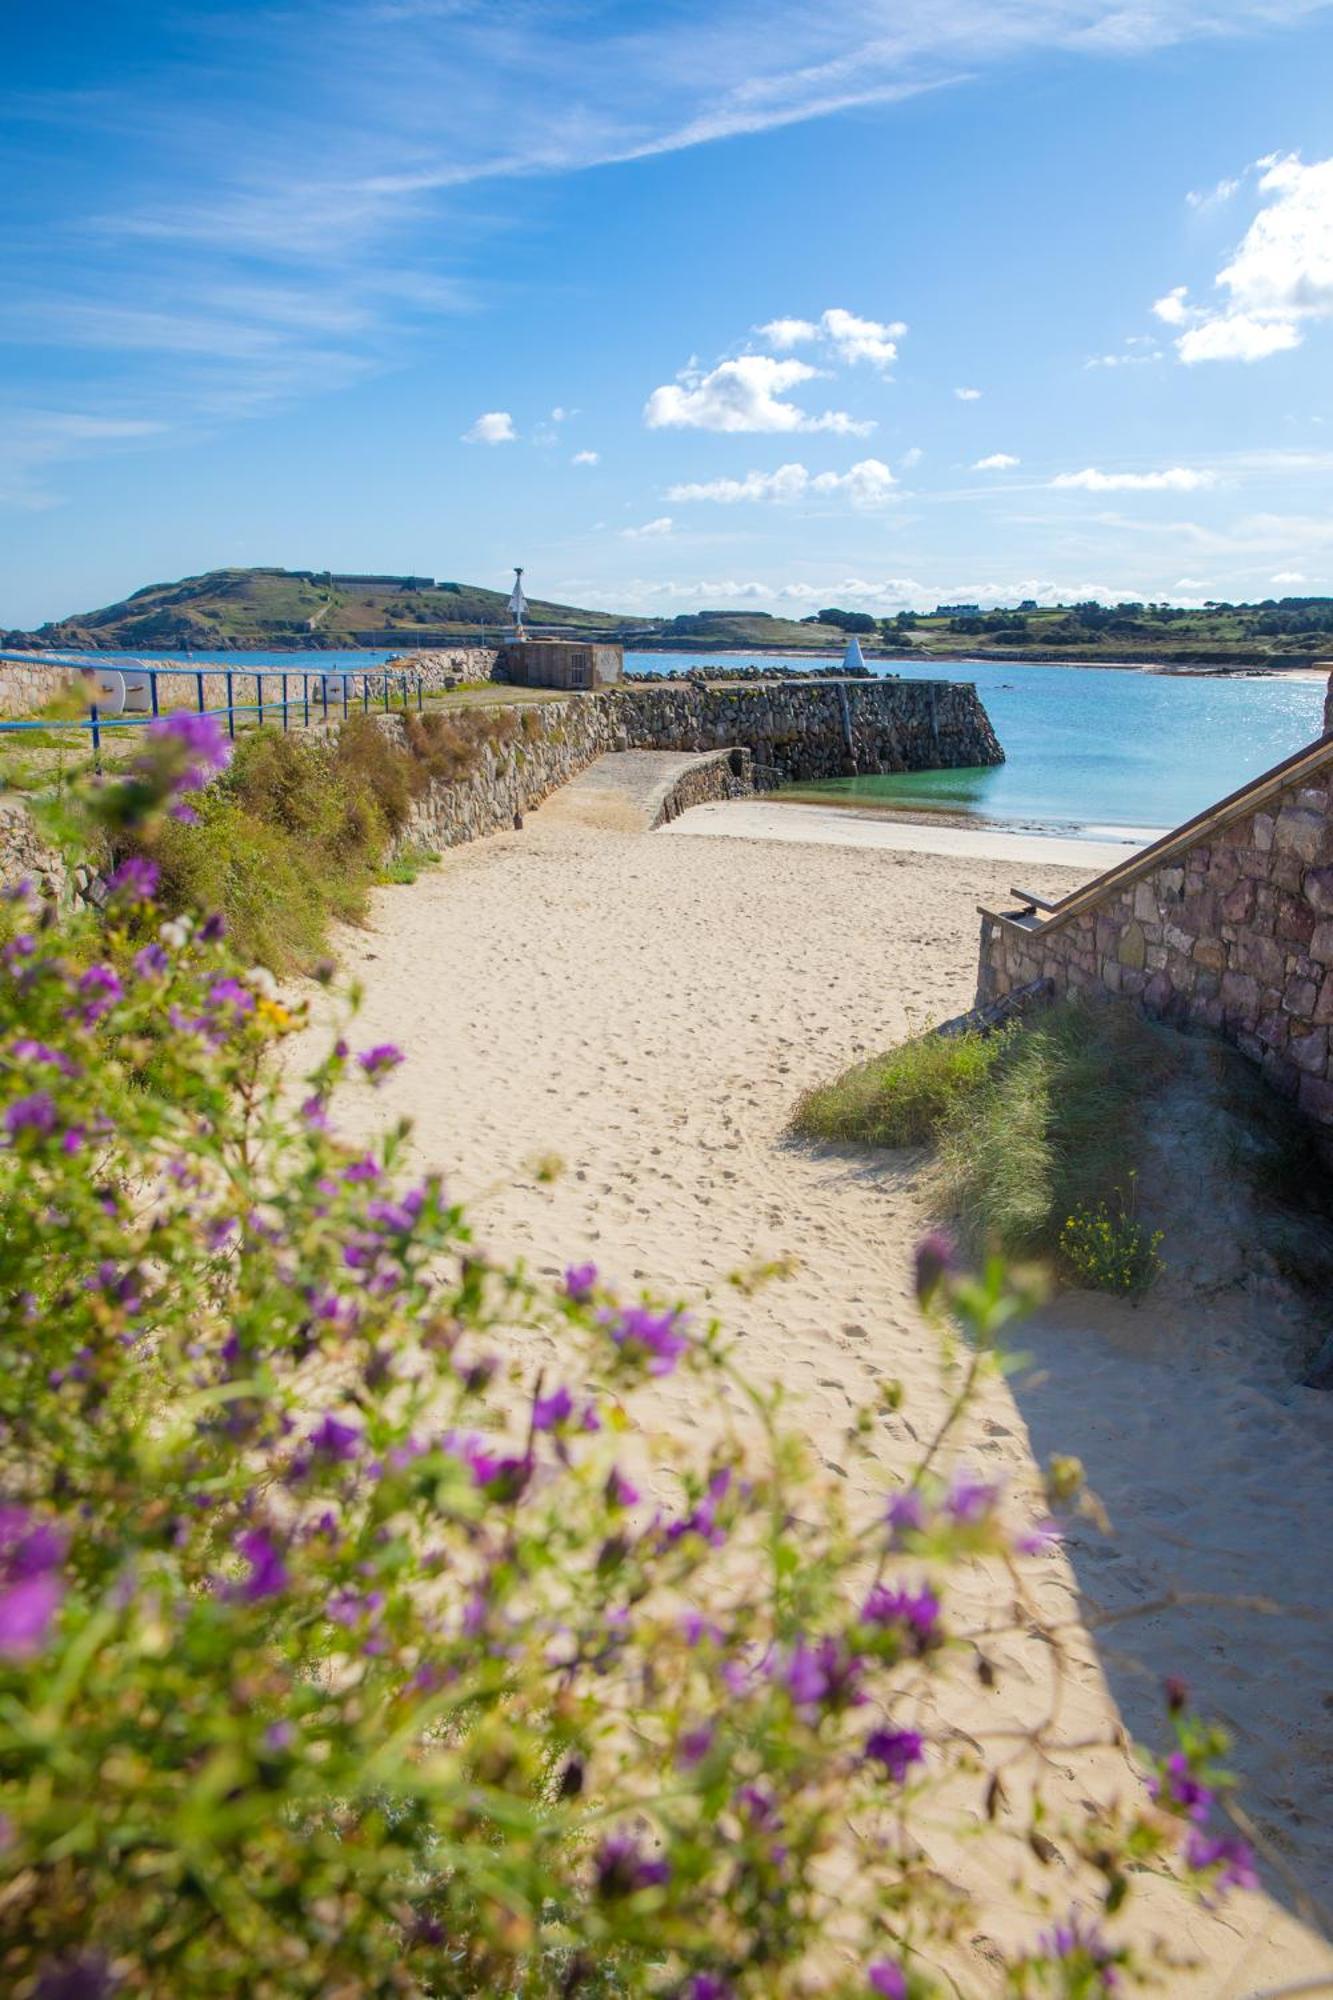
[(95, 722)]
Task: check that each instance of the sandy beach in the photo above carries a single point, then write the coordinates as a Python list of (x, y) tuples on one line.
[(647, 1007)]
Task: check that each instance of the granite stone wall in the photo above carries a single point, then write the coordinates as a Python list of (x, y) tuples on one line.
[(818, 728), (1230, 930), (794, 729)]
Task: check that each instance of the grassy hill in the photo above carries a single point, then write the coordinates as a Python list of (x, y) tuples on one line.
[(270, 609)]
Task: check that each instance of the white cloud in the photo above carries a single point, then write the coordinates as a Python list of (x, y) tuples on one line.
[(1280, 276), (911, 457), (1175, 479), (492, 427), (849, 337), (784, 333), (968, 395), (560, 415), (1124, 360), (1237, 337), (999, 461), (586, 458), (746, 394), (789, 482), (1211, 197), (651, 531), (866, 485), (1171, 307), (1288, 576)]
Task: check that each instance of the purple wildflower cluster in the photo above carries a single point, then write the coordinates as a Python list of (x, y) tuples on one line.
[(31, 1585)]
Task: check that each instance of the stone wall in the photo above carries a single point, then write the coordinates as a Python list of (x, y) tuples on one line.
[(1226, 924), (24, 689), (721, 774), (818, 728), (800, 729)]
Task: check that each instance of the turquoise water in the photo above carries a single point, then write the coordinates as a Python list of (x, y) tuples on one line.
[(1091, 748)]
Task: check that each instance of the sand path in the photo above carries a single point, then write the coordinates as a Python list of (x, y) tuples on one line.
[(648, 1007)]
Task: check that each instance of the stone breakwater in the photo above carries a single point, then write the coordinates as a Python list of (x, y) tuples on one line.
[(818, 728), (793, 729), (1226, 925)]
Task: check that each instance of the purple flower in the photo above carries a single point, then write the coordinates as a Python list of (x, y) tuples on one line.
[(623, 1868), (151, 962), (26, 1050), (906, 1516), (887, 1979), (213, 927), (896, 1749), (36, 1114), (822, 1675), (100, 987), (654, 1338), (27, 1612), (917, 1612), (268, 1572), (1082, 1944), (1226, 1853), (694, 1744), (936, 1260), (1039, 1539), (1178, 1788), (197, 747), (363, 1169), (335, 1440), (619, 1491), (709, 1986), (970, 1501), (549, 1412), (84, 1977), (135, 881), (379, 1061), (581, 1282), (230, 993)]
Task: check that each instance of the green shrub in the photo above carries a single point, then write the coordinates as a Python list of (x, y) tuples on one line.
[(900, 1099), (1110, 1250), (340, 1652)]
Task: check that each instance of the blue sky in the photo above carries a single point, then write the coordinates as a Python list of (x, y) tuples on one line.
[(715, 302)]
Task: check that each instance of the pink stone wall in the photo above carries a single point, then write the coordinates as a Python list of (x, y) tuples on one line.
[(1233, 933)]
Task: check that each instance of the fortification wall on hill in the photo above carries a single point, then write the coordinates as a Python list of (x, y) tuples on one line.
[(1226, 925)]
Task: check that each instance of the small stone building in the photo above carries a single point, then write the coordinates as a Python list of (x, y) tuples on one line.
[(559, 663)]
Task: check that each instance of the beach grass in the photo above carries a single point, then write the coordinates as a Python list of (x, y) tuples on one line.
[(1034, 1126), (902, 1098)]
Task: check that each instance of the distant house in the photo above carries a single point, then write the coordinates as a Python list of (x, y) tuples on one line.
[(957, 611)]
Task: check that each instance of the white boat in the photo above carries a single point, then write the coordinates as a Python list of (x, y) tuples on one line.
[(853, 660)]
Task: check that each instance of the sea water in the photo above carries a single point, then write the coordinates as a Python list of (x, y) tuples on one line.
[(1103, 751)]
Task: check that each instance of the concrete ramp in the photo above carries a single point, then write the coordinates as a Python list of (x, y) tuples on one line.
[(633, 791)]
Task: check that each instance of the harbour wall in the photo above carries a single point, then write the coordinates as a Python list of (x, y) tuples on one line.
[(789, 730)]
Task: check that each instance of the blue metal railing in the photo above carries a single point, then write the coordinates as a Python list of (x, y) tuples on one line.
[(388, 684)]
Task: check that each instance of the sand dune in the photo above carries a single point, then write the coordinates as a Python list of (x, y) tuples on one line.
[(648, 1008)]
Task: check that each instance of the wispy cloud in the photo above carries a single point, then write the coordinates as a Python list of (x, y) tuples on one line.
[(1174, 479), (867, 484)]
